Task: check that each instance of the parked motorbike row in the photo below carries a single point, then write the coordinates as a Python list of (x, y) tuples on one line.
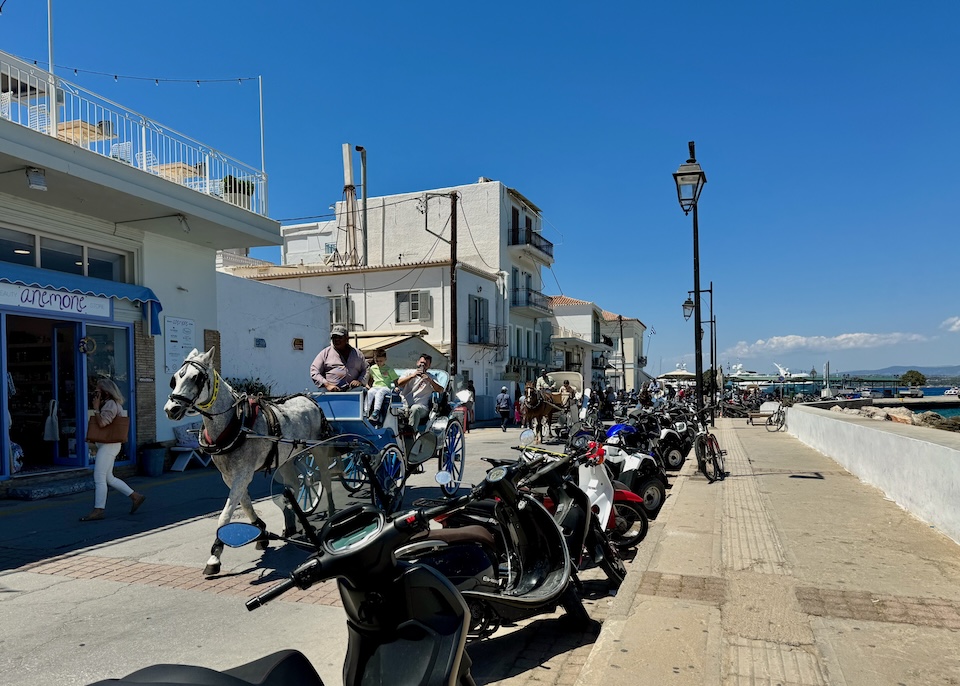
[(416, 585)]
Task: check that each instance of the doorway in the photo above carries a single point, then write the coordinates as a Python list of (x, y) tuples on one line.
[(42, 377)]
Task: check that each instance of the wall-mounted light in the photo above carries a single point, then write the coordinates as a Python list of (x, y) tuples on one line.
[(36, 179), (479, 289), (21, 252)]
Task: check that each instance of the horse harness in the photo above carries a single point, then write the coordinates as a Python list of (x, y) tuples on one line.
[(245, 415)]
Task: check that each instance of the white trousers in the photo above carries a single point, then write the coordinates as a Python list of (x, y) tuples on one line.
[(103, 474)]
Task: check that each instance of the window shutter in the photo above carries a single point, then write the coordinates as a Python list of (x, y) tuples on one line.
[(403, 307), (425, 306), (484, 326)]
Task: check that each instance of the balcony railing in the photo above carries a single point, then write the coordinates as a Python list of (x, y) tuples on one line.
[(492, 336), (527, 297), (525, 236), (87, 120)]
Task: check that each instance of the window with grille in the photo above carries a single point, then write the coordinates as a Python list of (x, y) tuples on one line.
[(341, 310), (478, 319), (412, 306)]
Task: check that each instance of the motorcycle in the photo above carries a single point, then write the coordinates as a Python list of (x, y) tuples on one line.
[(545, 474), (637, 470), (406, 621), (512, 566)]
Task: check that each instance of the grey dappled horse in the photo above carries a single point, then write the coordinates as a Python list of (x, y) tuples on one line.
[(228, 417)]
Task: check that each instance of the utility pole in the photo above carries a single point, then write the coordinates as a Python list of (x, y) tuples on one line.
[(454, 358), (623, 356)]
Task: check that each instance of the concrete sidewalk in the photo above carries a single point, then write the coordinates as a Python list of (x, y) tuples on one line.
[(789, 572)]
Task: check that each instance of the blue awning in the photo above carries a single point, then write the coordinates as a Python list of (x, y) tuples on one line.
[(74, 283)]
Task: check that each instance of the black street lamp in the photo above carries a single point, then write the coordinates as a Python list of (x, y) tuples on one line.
[(690, 180), (688, 308)]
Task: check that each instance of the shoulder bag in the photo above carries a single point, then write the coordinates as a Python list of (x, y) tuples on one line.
[(114, 432)]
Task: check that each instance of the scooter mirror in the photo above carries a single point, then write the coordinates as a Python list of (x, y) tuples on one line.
[(444, 478), (527, 436), (238, 534), (422, 449)]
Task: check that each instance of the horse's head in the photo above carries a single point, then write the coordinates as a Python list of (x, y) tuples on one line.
[(531, 396), (191, 383)]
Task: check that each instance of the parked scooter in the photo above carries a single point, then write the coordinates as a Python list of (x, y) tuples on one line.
[(514, 566), (546, 475), (407, 623)]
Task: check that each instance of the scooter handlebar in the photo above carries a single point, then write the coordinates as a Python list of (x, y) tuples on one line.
[(303, 577)]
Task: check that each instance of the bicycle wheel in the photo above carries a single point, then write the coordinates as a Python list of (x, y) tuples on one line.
[(712, 460), (354, 476), (452, 455), (781, 419), (718, 458), (699, 450), (391, 476)]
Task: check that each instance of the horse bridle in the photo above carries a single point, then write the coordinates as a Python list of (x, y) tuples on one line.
[(203, 380)]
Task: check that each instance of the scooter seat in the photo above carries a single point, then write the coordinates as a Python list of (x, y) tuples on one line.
[(285, 667)]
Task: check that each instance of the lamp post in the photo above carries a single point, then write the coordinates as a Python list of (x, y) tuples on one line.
[(688, 308), (690, 180)]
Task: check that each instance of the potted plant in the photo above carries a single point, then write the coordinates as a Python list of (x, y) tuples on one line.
[(237, 191)]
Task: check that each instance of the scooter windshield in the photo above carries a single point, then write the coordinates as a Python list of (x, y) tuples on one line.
[(309, 472)]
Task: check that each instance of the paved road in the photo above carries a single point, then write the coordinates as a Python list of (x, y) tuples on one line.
[(83, 601), (789, 572)]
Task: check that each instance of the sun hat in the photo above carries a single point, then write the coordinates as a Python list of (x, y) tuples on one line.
[(338, 330)]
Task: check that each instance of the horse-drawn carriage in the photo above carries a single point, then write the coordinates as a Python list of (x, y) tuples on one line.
[(440, 433), (556, 409), (245, 434)]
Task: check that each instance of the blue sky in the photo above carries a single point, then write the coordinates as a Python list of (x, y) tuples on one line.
[(826, 130)]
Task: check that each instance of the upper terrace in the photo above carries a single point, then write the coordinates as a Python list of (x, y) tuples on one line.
[(84, 119)]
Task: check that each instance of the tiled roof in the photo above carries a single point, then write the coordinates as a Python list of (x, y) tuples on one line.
[(561, 300)]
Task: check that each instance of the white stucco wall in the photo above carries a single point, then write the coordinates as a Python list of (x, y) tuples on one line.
[(916, 467), (182, 276), (250, 310)]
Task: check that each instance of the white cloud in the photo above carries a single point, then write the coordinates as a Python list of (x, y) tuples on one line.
[(846, 341), (951, 324)]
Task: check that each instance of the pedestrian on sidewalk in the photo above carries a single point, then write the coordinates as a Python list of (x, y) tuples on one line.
[(469, 404), (107, 406), (504, 407)]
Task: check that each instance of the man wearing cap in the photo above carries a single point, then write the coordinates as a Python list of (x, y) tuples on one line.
[(339, 366), (504, 405)]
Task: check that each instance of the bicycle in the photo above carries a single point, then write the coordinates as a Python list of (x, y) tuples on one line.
[(710, 457), (776, 421)]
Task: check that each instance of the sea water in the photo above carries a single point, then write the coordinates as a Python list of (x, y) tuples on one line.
[(933, 392)]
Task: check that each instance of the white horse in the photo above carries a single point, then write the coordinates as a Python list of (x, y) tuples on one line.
[(227, 418)]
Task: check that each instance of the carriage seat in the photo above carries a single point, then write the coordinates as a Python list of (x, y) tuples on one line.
[(188, 446)]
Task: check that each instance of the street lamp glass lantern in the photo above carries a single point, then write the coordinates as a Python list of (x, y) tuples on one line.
[(689, 179), (688, 308)]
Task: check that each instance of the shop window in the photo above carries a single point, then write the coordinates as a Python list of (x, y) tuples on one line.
[(61, 256), (106, 265), (17, 247)]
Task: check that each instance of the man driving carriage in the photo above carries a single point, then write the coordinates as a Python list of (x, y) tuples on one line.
[(417, 387), (339, 366), (545, 382)]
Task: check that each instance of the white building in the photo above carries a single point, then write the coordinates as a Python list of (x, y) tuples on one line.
[(109, 228), (502, 316), (628, 357)]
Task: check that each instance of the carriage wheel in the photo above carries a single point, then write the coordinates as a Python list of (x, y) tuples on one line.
[(452, 454), (309, 489), (353, 476), (392, 476)]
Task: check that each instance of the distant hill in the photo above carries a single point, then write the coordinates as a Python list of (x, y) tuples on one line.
[(899, 370)]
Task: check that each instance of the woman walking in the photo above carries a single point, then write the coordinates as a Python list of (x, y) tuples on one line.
[(107, 406)]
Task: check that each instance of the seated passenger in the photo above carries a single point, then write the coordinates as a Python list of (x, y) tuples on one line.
[(381, 382), (417, 387)]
